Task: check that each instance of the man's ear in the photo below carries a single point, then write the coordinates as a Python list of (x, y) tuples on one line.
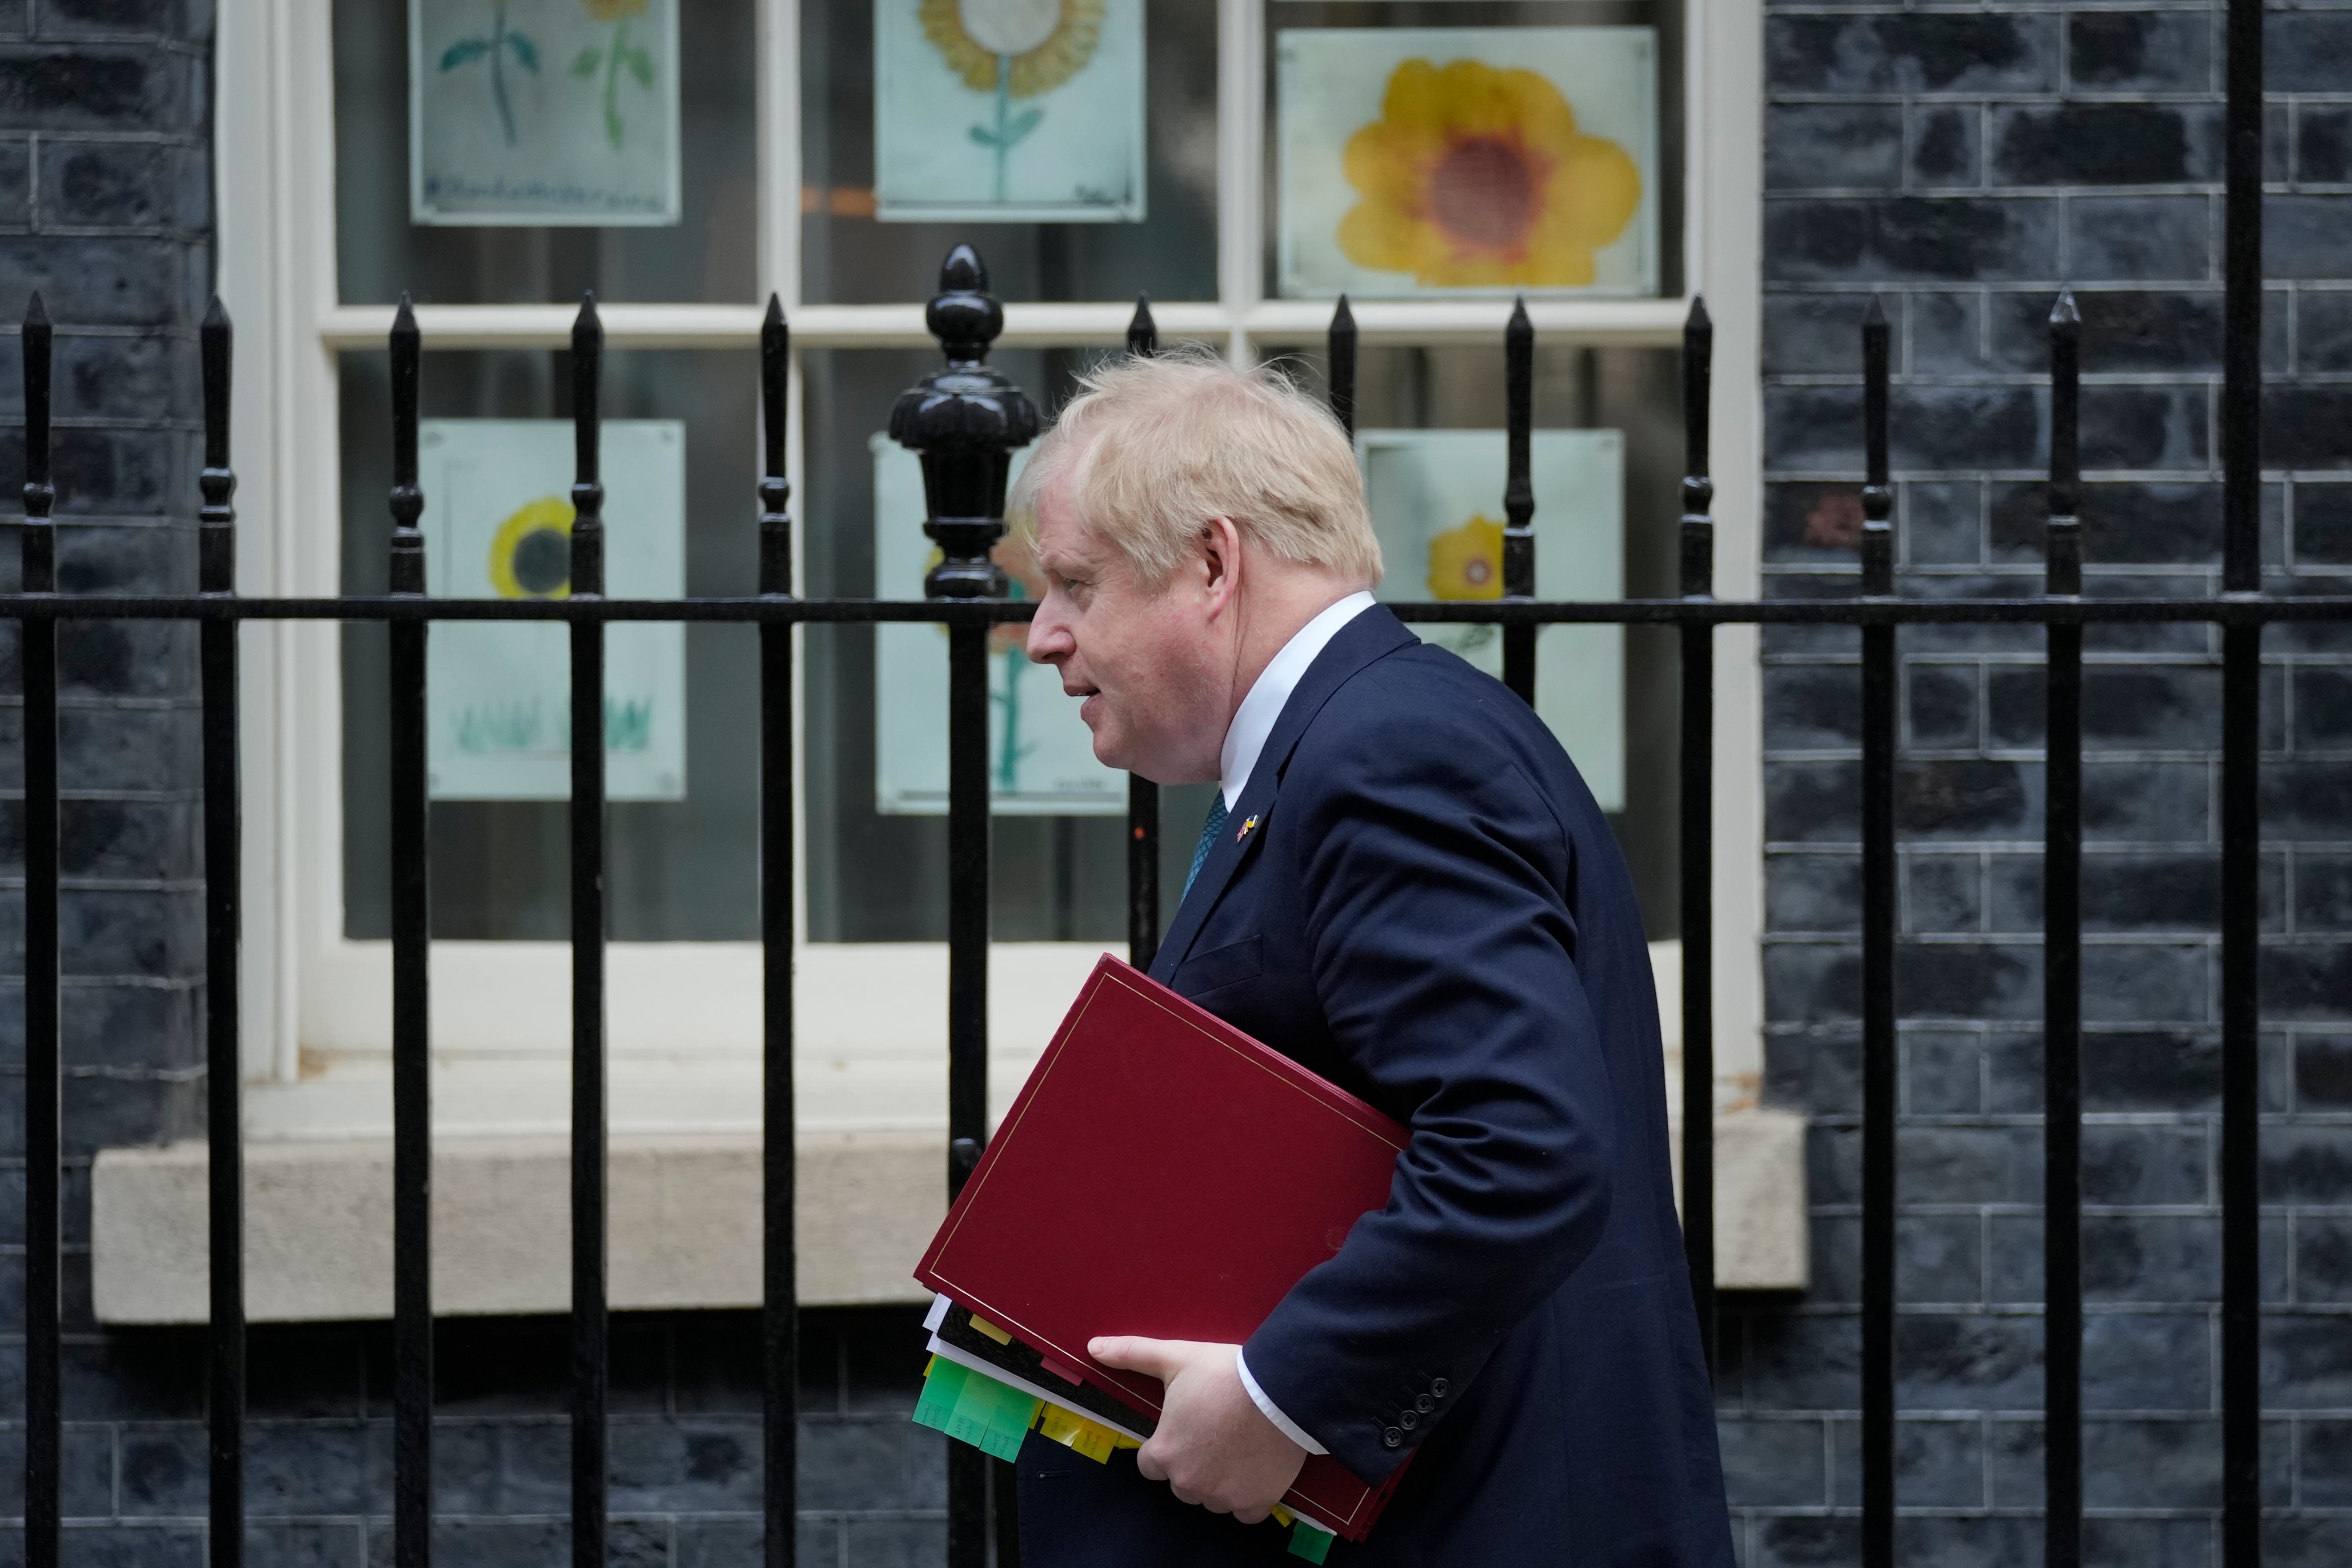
[(1220, 549)]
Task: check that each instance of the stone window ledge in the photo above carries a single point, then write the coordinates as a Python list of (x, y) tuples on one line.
[(683, 1183)]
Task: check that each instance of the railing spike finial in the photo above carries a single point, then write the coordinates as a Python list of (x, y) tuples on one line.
[(2066, 536), (1699, 487), (587, 489), (217, 536), (406, 502), (1877, 496), (964, 423), (1143, 332), (40, 535), (775, 490), (1519, 496), (1340, 349)]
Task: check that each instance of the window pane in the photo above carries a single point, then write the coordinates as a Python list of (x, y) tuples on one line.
[(848, 257), (1637, 393), (708, 254), (1466, 208), (876, 876), (677, 871)]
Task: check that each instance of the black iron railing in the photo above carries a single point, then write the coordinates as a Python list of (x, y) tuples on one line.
[(965, 421)]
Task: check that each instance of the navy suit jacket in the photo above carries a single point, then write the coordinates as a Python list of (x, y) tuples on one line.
[(1431, 912)]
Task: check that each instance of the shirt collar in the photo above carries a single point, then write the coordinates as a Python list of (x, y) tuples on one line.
[(1253, 720)]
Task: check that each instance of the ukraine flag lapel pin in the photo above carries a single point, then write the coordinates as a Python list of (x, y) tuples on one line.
[(1247, 825)]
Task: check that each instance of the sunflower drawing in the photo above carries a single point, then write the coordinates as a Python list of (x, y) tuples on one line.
[(1017, 49), (503, 41), (1478, 177), (1467, 562), (531, 554)]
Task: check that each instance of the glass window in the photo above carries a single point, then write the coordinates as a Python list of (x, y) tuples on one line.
[(677, 870), (849, 256), (709, 253)]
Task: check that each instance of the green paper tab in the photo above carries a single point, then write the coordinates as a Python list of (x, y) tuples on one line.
[(974, 1408), (1309, 1543)]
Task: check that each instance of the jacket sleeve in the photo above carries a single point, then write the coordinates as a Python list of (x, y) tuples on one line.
[(1443, 954)]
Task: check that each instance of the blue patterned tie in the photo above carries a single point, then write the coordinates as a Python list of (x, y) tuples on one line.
[(1215, 826)]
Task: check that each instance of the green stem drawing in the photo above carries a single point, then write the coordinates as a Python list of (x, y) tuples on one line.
[(1009, 754), (613, 129), (1008, 128), (499, 71)]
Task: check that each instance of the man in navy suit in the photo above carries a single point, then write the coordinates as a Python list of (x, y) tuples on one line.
[(1404, 886)]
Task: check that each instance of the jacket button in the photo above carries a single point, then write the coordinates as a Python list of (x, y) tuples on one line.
[(1437, 1387), (1393, 1438), (1424, 1402), (1408, 1420)]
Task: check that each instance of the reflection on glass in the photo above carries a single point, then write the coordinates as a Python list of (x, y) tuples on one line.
[(850, 256), (709, 253), (677, 871)]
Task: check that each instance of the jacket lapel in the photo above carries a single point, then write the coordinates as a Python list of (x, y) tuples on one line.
[(1370, 635)]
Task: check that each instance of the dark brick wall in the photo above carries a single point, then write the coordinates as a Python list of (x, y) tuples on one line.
[(1963, 165)]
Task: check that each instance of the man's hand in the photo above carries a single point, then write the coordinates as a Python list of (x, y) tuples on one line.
[(1213, 1446)]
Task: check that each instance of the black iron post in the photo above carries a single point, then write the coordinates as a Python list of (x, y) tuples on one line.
[(1878, 1034), (964, 423), (216, 577), (411, 1045), (2241, 676), (590, 1356), (780, 1304), (2062, 971), (1142, 795), (43, 1401), (1697, 804), (1519, 500)]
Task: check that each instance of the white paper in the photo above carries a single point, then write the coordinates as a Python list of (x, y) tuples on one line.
[(1052, 133), (497, 515), (1333, 86), (544, 112)]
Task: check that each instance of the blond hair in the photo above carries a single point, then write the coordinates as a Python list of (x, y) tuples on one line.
[(1154, 448)]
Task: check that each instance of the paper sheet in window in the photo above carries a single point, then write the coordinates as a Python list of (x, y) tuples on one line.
[(497, 519), (1425, 162), (1437, 505), (1041, 758), (1009, 111), (543, 112)]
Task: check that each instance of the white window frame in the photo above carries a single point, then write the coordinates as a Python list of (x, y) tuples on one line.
[(314, 998)]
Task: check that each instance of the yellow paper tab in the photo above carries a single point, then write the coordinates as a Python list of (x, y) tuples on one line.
[(981, 1325), (1282, 1515), (1075, 1432)]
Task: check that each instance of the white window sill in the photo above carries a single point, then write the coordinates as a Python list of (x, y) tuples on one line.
[(684, 1177)]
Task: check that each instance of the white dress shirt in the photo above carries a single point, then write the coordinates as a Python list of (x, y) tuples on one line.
[(1246, 737)]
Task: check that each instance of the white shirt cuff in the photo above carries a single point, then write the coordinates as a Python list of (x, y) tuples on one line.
[(1272, 1412)]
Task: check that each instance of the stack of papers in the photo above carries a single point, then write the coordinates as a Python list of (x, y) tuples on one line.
[(983, 1388)]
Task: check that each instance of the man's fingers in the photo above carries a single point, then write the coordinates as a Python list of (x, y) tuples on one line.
[(1183, 1496), (1250, 1515), (1131, 1352), (1148, 1464)]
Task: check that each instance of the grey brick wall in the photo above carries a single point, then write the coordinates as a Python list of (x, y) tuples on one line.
[(1964, 164)]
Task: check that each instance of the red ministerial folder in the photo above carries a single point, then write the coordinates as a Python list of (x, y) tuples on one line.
[(1162, 1174)]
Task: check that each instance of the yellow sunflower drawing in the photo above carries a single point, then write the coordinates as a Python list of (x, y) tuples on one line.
[(1047, 41), (1467, 562), (530, 556), (1478, 177)]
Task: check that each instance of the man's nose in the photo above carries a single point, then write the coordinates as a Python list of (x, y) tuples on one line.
[(1049, 635)]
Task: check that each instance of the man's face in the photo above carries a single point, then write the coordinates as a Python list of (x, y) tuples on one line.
[(1145, 661)]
